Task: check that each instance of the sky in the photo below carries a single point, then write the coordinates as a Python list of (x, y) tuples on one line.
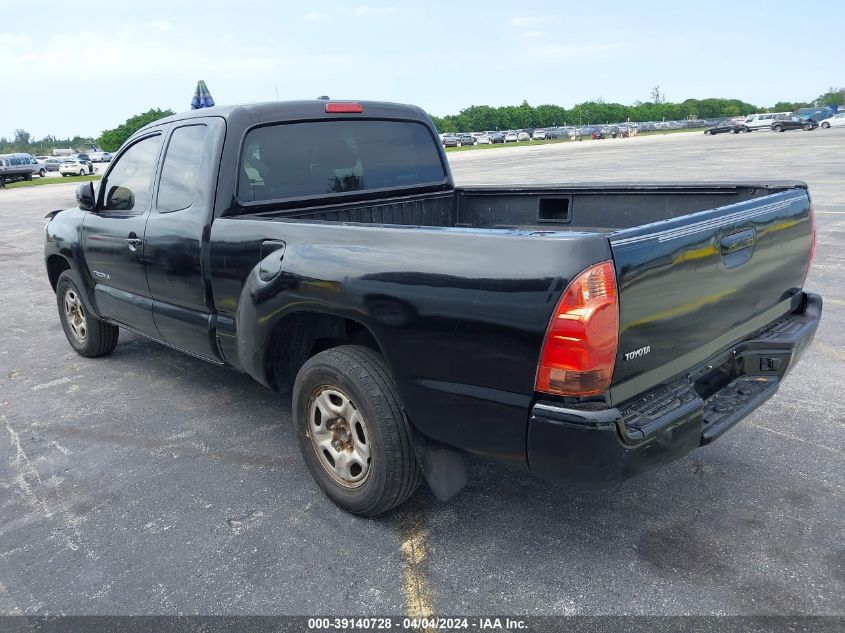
[(69, 69)]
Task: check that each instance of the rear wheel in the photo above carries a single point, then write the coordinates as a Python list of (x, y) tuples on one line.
[(81, 172), (87, 334), (778, 128), (351, 430), (42, 172), (825, 125)]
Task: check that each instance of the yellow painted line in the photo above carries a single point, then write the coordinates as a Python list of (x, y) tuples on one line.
[(416, 588), (836, 302)]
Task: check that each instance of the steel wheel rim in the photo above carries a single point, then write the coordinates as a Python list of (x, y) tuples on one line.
[(339, 436), (75, 316)]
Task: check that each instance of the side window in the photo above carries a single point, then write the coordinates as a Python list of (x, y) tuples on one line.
[(128, 187), (181, 169)]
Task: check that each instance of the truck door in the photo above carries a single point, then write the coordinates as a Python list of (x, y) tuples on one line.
[(176, 239), (113, 236)]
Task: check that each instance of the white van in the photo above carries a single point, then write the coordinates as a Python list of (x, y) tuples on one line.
[(762, 120), (18, 167)]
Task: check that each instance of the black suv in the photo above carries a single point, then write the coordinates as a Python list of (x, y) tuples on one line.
[(794, 123)]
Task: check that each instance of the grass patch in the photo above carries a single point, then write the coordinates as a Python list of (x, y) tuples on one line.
[(35, 182)]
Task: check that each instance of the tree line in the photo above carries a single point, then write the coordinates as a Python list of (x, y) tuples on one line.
[(478, 118)]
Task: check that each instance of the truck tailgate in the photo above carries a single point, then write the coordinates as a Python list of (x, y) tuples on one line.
[(691, 286)]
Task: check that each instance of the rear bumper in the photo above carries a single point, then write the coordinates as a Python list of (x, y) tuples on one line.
[(592, 445)]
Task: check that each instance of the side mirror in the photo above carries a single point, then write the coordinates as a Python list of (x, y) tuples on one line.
[(120, 199), (85, 196)]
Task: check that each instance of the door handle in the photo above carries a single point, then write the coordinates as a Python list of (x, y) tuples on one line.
[(272, 253), (133, 242)]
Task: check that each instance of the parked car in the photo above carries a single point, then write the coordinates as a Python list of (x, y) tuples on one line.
[(511, 137), (73, 167), (762, 121), (85, 159), (837, 120), (523, 136), (484, 139), (794, 123), (727, 127), (17, 166), (100, 157), (449, 140), (496, 137), (467, 140), (539, 135), (407, 340), (48, 162), (819, 114)]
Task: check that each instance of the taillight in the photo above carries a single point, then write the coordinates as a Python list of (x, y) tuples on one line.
[(344, 107), (580, 347)]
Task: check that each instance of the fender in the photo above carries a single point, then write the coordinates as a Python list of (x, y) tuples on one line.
[(62, 238)]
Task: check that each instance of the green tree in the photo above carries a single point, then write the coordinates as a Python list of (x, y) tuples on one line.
[(111, 140), (22, 138), (834, 96)]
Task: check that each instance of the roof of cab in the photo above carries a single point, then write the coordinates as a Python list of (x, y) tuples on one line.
[(271, 111)]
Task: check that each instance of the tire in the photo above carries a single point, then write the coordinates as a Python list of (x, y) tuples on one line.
[(734, 131), (707, 132), (81, 172), (825, 126), (28, 176), (98, 337), (354, 383), (42, 173), (778, 128)]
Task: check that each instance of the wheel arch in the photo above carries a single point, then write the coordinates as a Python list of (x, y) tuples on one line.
[(297, 336), (56, 265)]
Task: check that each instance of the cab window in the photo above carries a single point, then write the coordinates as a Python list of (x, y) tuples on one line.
[(181, 169), (128, 186), (298, 160)]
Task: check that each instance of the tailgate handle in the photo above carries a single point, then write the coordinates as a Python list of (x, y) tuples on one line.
[(737, 241)]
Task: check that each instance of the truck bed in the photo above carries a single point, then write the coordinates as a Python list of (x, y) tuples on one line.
[(588, 208)]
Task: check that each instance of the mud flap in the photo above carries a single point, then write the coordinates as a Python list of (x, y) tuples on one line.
[(444, 468)]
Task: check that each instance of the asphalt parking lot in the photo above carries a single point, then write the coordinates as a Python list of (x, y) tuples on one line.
[(150, 482)]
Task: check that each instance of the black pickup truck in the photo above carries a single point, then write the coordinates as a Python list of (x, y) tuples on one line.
[(582, 333)]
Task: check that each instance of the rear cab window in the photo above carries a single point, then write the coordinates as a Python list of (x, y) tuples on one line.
[(336, 157)]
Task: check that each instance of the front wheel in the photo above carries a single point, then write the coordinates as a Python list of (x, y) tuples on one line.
[(351, 430), (42, 172), (825, 126), (87, 334), (778, 128)]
